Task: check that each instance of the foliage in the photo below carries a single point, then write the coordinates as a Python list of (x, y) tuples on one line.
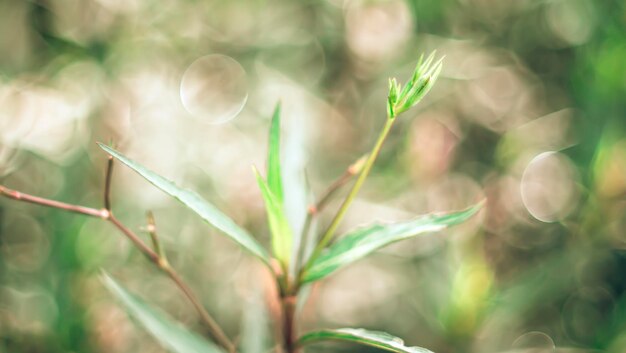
[(527, 112), (351, 247), (348, 249)]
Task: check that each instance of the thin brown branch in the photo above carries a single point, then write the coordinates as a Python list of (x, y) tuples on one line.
[(143, 247), (215, 329), (289, 301), (352, 170), (152, 255), (156, 244), (161, 263), (327, 237), (314, 209), (20, 196), (107, 183)]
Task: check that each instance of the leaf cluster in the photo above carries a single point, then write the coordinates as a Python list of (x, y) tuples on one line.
[(329, 257), (401, 99)]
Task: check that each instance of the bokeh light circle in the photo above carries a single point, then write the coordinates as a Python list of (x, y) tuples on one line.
[(534, 342), (214, 88), (549, 187)]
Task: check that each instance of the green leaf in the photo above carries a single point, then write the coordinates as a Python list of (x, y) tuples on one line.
[(363, 241), (423, 79), (393, 90), (391, 114), (274, 179), (169, 333), (282, 238), (416, 73), (423, 85), (376, 339), (196, 203)]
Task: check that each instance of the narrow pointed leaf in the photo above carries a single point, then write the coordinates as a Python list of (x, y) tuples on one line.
[(390, 111), (282, 237), (419, 68), (363, 241), (196, 203), (424, 84), (169, 333), (376, 339), (419, 85), (274, 179), (393, 90)]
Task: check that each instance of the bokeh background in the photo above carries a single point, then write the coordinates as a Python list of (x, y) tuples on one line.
[(529, 112)]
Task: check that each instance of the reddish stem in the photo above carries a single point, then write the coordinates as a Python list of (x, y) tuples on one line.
[(153, 256), (19, 196)]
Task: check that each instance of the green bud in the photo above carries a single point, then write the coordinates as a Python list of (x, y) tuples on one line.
[(393, 90), (390, 109), (421, 82)]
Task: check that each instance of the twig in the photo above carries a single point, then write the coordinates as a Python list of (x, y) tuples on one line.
[(107, 183), (20, 196), (354, 169), (156, 244), (330, 232), (164, 265), (215, 329), (152, 255), (145, 249), (314, 209)]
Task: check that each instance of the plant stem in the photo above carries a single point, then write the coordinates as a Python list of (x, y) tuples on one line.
[(328, 235), (19, 196), (153, 256), (156, 244), (314, 209), (107, 184), (288, 303), (145, 249), (214, 328), (289, 299)]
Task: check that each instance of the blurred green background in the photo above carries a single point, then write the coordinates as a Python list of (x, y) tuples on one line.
[(529, 112)]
